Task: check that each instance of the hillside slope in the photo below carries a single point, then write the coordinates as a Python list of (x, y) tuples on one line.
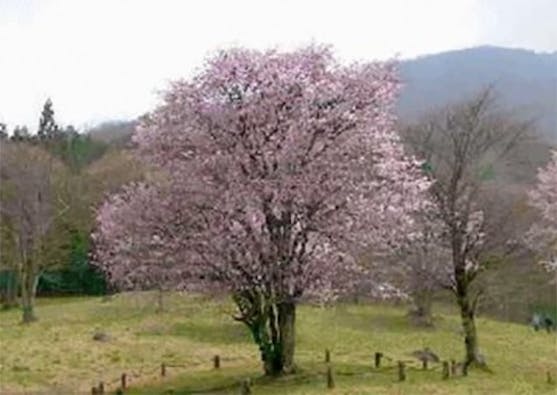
[(58, 353)]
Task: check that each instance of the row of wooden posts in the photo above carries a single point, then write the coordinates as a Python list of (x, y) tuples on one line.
[(100, 388), (448, 370)]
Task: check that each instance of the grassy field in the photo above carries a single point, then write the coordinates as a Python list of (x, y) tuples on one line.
[(57, 355)]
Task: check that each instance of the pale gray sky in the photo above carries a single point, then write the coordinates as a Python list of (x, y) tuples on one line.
[(101, 59)]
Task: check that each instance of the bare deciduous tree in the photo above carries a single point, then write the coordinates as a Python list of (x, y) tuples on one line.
[(30, 206), (462, 146)]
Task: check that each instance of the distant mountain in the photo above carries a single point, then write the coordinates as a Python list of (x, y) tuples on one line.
[(524, 80), (113, 132)]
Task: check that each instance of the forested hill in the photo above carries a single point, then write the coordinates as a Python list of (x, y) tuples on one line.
[(524, 80)]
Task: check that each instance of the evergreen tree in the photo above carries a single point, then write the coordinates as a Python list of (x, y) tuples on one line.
[(48, 129), (3, 131)]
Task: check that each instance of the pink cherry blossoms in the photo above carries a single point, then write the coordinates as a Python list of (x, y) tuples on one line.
[(275, 171), (543, 234), (138, 238), (290, 161)]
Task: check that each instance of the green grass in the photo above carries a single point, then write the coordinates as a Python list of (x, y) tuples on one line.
[(58, 355)]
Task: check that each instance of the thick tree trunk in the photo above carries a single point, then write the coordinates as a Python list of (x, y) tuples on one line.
[(272, 326), (277, 340), (269, 357), (287, 327), (467, 315), (275, 336)]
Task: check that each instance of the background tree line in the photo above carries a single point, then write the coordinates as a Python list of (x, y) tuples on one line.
[(90, 164), (50, 182)]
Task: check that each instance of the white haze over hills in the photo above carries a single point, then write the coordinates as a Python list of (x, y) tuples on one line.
[(524, 81), (103, 59)]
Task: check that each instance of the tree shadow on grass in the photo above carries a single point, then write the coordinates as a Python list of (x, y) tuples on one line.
[(392, 323), (223, 333), (209, 382), (311, 376), (232, 384)]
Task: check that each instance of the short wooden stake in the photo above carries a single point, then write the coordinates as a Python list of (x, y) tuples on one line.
[(101, 388), (446, 371), (216, 362), (330, 378), (246, 387), (453, 367), (123, 381), (94, 391), (327, 356), (163, 369), (401, 371), (424, 364), (549, 378), (378, 356), (465, 368)]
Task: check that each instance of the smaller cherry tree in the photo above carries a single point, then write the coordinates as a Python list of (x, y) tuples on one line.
[(425, 264), (542, 236), (137, 240), (417, 263)]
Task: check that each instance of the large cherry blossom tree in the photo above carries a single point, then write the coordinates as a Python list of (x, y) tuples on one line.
[(542, 237), (277, 171)]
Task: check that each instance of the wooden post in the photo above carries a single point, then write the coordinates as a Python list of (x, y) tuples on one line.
[(401, 371), (446, 372), (101, 388), (424, 364), (549, 378), (123, 381), (163, 369), (216, 362), (94, 390), (246, 387), (378, 356), (464, 369), (330, 378), (327, 356), (453, 367)]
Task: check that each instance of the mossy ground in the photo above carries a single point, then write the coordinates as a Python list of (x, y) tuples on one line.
[(58, 355)]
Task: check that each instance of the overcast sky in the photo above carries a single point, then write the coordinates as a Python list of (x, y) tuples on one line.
[(101, 60)]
